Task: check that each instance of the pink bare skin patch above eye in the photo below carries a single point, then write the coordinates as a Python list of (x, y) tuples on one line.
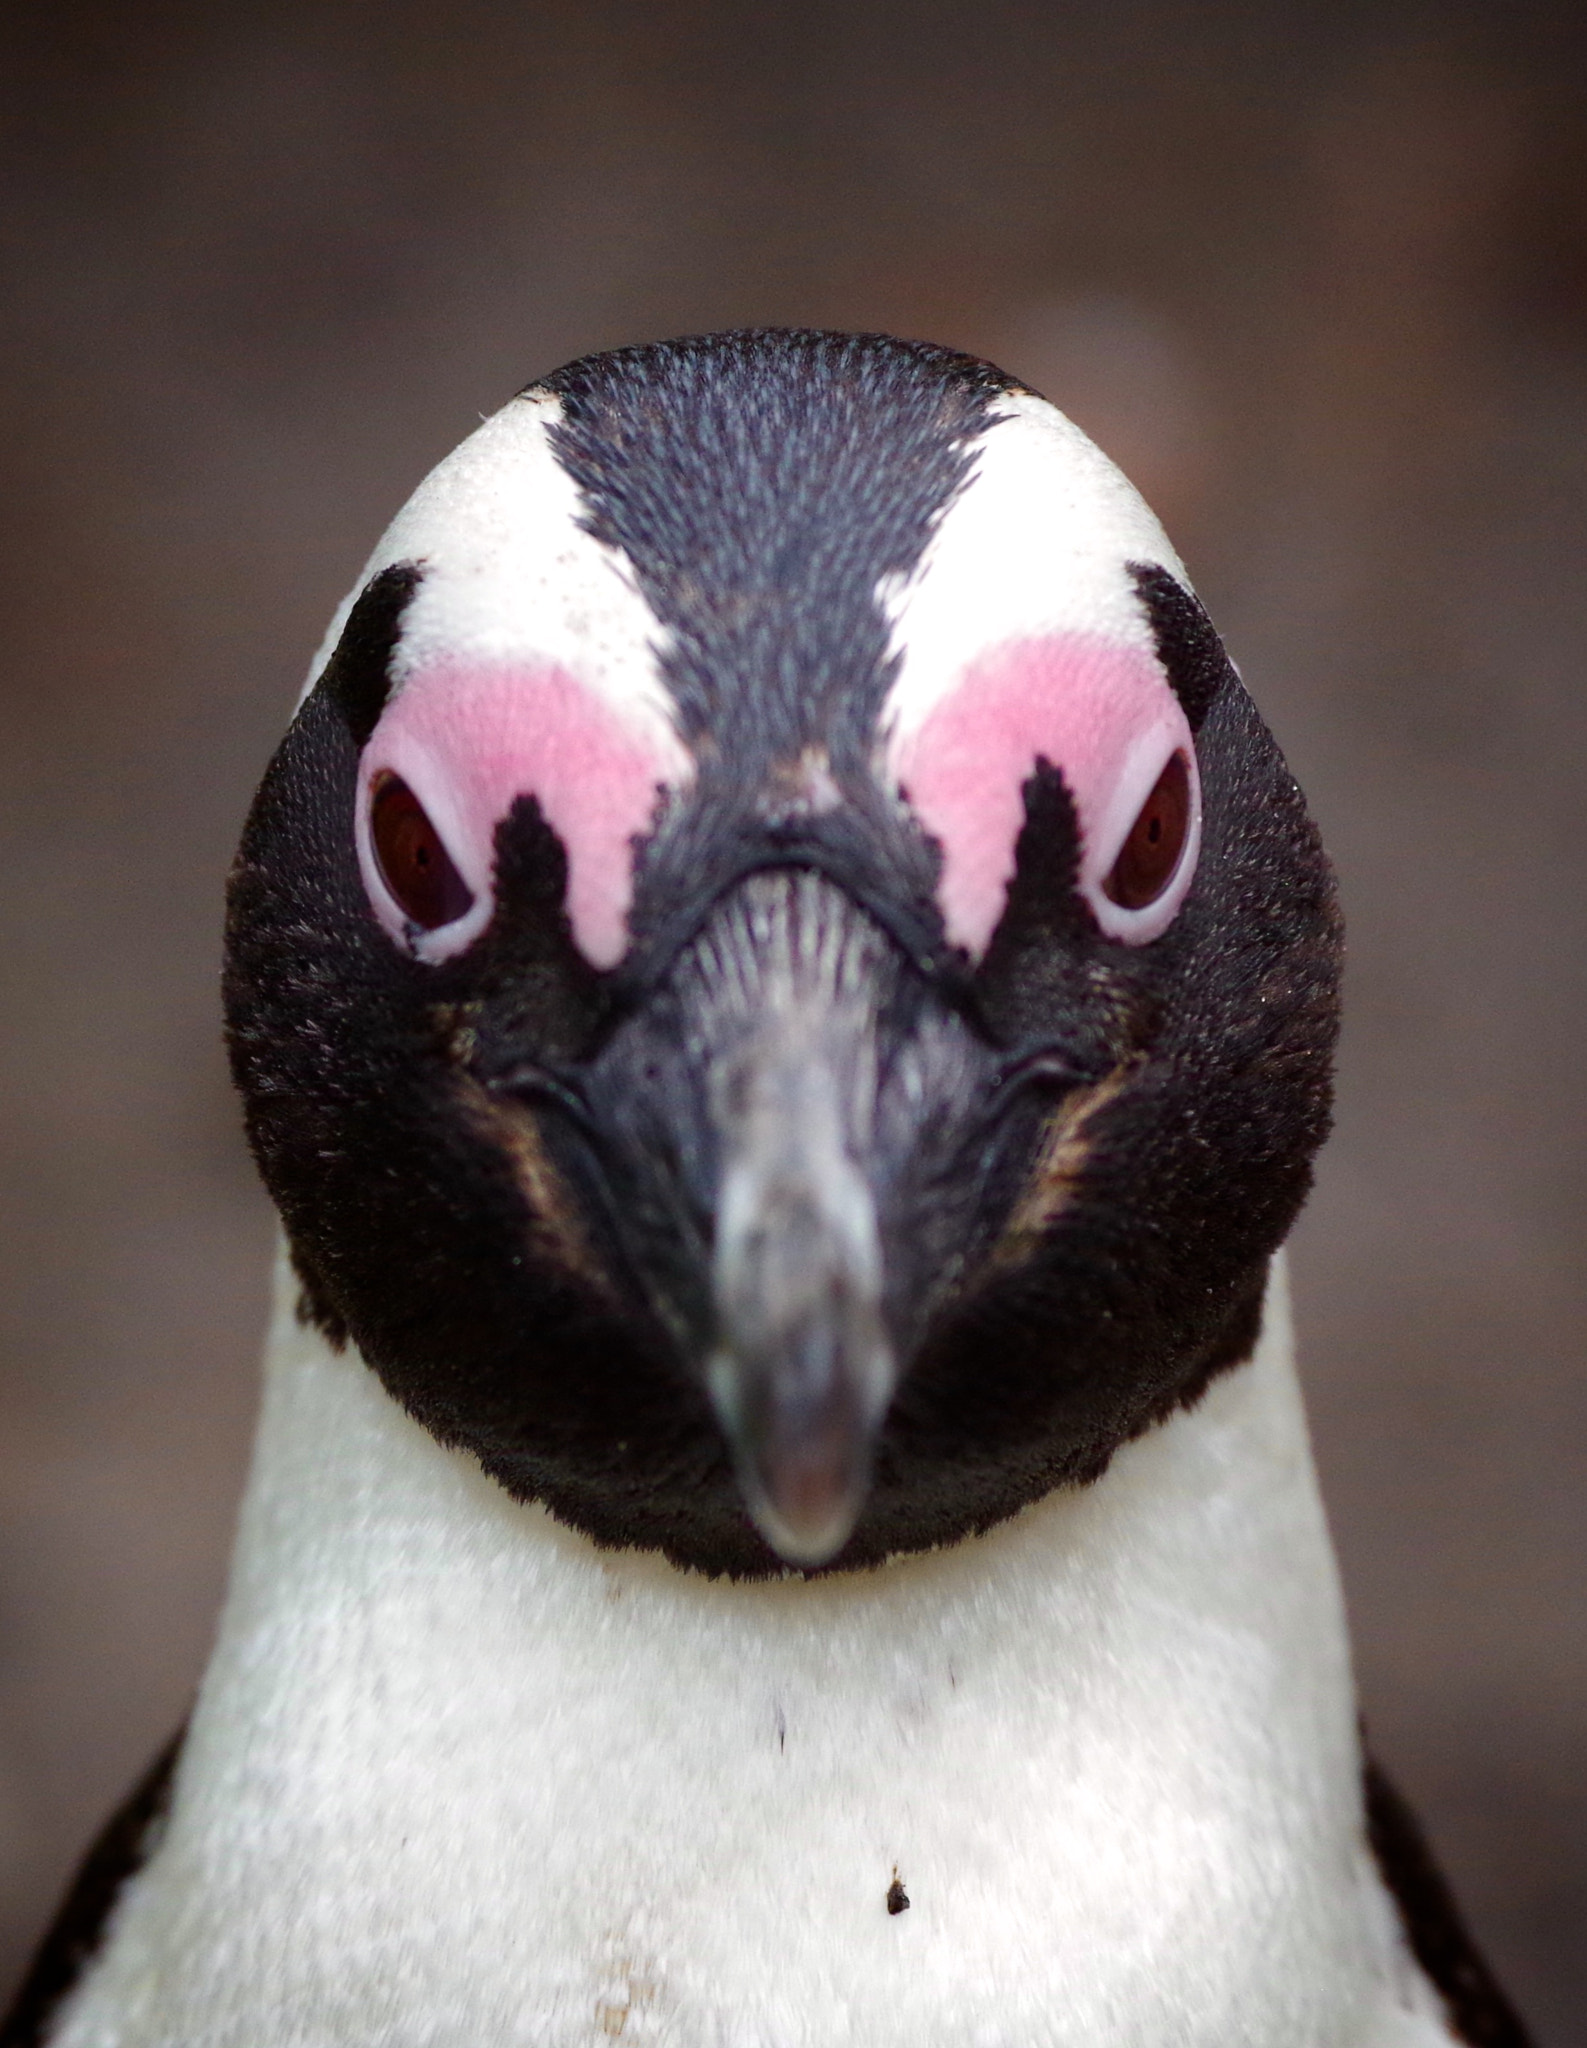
[(470, 739), (1101, 713)]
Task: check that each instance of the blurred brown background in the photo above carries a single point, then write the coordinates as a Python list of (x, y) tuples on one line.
[(1316, 275)]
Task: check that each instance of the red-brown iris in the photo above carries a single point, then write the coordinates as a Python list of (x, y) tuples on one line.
[(414, 864), (1149, 856)]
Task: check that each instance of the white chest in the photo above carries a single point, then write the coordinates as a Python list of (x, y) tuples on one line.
[(458, 1777)]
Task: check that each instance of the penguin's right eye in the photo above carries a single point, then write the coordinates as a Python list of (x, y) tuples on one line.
[(414, 863)]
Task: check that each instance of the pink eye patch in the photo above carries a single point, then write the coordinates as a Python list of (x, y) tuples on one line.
[(463, 742), (1104, 715)]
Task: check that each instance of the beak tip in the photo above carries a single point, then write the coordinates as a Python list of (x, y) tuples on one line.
[(804, 1476), (807, 1524)]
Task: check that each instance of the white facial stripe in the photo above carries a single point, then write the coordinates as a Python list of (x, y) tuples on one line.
[(510, 576), (1035, 545), (1021, 637), (527, 664)]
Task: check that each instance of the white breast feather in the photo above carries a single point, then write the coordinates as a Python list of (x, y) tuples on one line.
[(457, 1776)]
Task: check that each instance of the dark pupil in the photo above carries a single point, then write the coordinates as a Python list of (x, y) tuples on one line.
[(417, 868), (1148, 858)]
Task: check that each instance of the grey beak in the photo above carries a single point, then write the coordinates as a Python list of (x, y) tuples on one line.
[(802, 1370)]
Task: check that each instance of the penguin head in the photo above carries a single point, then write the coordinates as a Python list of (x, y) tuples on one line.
[(780, 986)]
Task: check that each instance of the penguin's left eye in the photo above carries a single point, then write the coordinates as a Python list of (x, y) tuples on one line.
[(1140, 850), (1150, 855), (414, 864)]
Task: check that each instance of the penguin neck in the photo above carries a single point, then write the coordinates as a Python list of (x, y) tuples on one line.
[(1107, 1750), (1206, 1532)]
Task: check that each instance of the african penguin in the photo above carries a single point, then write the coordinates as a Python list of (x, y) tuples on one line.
[(785, 997)]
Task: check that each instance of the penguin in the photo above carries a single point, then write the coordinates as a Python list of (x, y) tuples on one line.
[(785, 998)]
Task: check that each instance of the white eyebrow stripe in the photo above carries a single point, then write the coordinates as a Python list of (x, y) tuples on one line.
[(509, 573), (1035, 544)]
